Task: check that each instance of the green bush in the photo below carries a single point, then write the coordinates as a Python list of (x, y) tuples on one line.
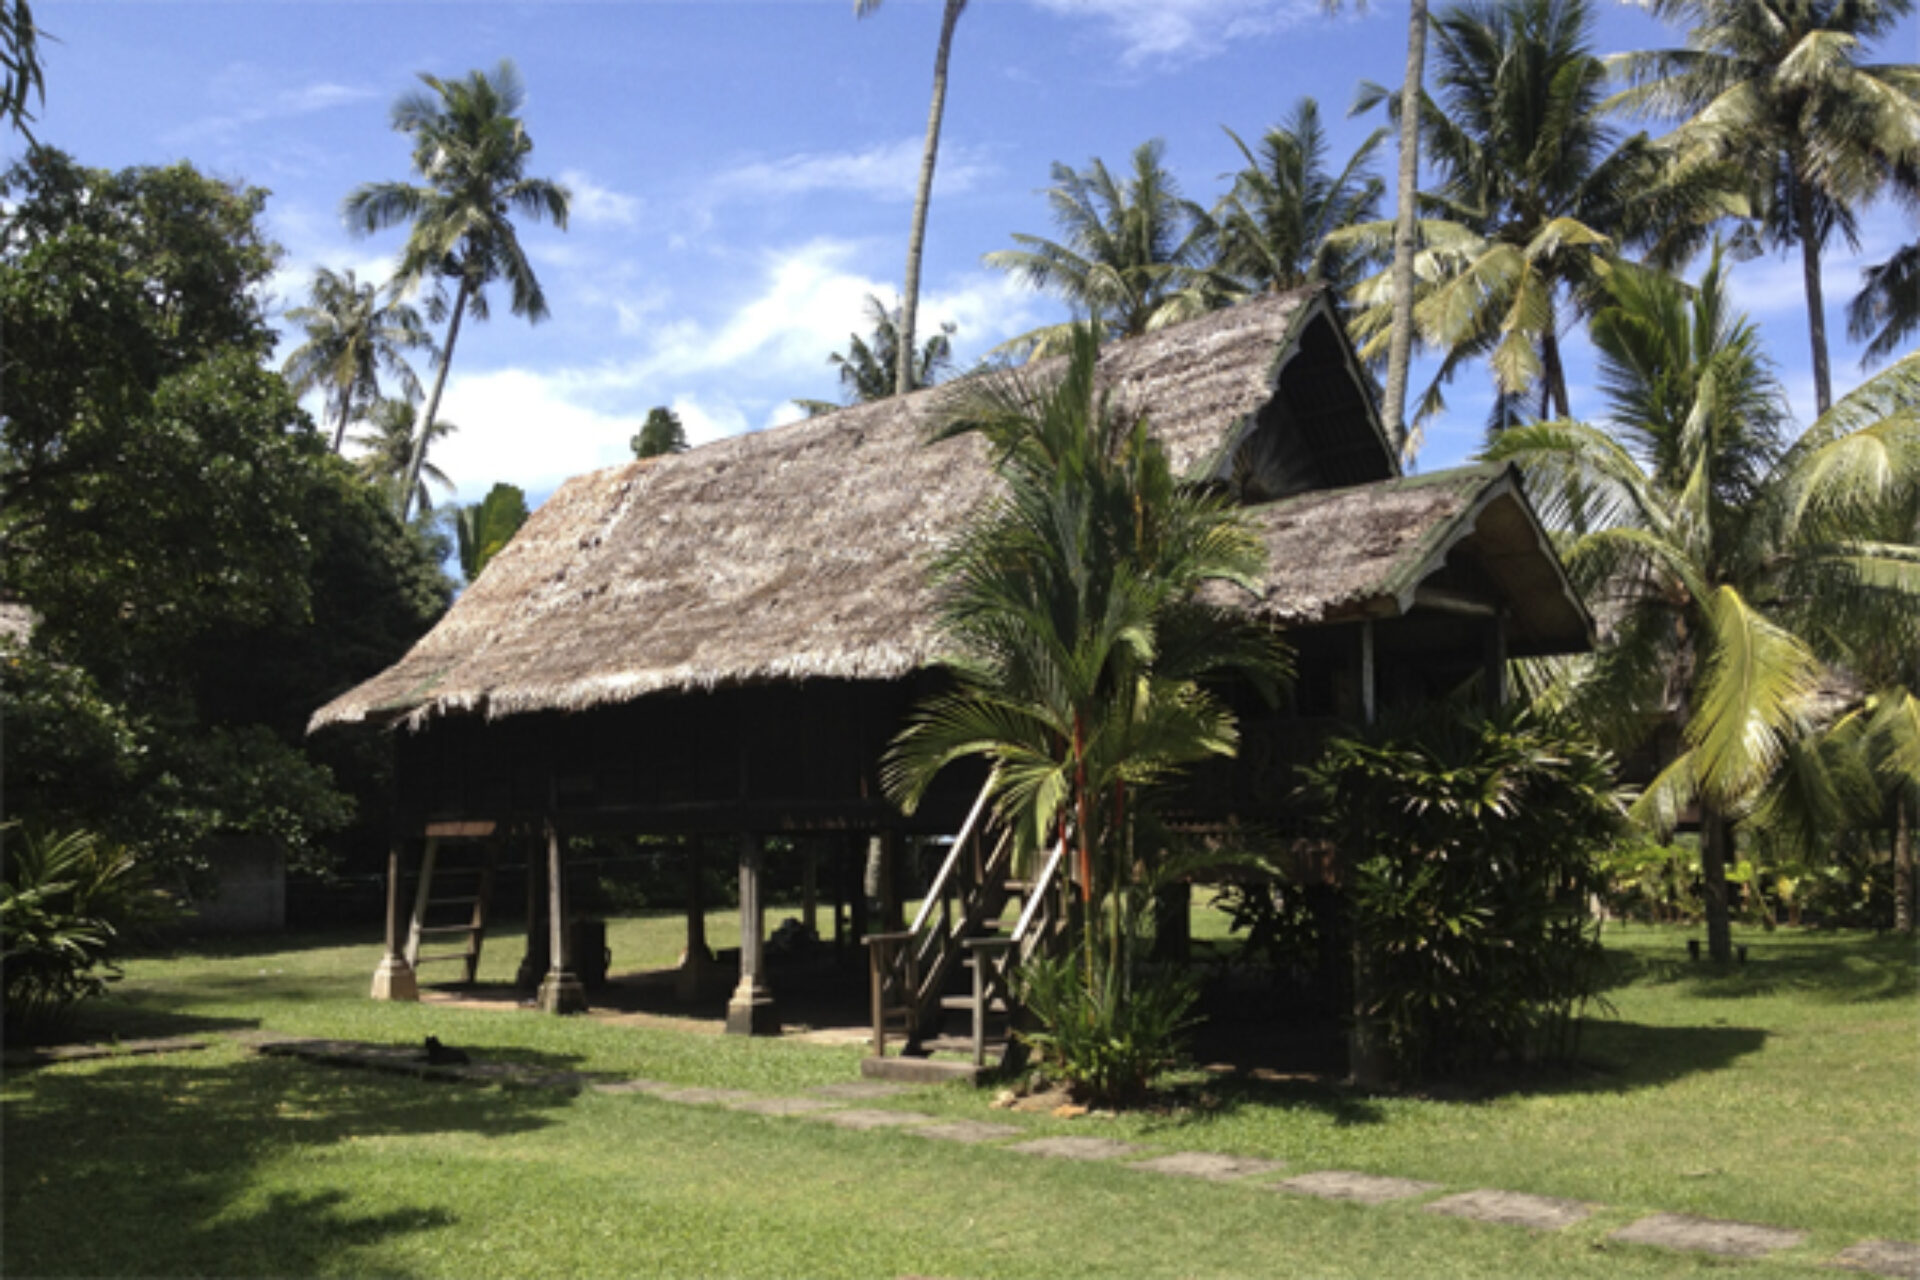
[(1470, 849), (1106, 1030), (60, 899)]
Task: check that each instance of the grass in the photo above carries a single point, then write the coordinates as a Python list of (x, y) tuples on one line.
[(1784, 1091)]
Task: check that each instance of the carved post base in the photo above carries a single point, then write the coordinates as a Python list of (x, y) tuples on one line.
[(696, 974), (562, 993), (751, 1011), (393, 980)]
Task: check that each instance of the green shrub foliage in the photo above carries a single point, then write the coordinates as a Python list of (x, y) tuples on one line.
[(1471, 854), (1106, 1030), (63, 902)]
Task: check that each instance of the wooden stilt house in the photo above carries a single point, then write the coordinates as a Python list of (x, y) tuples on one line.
[(720, 644)]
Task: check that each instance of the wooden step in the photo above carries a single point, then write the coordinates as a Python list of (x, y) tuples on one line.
[(432, 929), (996, 1046), (920, 1070), (445, 955), (995, 1005)]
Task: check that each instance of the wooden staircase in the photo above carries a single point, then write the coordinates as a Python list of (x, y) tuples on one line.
[(956, 964), (450, 905)]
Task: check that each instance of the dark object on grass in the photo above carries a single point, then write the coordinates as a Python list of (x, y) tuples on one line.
[(1693, 948), (440, 1055)]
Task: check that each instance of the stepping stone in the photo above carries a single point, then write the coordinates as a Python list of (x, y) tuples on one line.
[(1209, 1165), (781, 1106), (630, 1086), (1365, 1188), (1512, 1209), (702, 1096), (866, 1118), (1077, 1148), (968, 1131), (1709, 1235), (1900, 1258), (860, 1090), (83, 1052)]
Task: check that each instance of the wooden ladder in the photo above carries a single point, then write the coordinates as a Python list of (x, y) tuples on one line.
[(450, 903)]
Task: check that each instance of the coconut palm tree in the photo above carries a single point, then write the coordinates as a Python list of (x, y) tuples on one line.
[(869, 365), (1731, 565), (21, 75), (1536, 191), (351, 337), (1072, 626), (1271, 229), (1134, 252), (1779, 88), (470, 152), (1886, 313), (923, 193), (396, 453)]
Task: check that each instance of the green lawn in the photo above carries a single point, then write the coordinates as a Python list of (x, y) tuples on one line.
[(1784, 1092)]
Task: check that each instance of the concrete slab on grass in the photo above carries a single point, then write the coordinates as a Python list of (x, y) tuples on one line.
[(631, 1086), (1709, 1235), (1365, 1188), (1210, 1165), (968, 1131), (860, 1090), (1077, 1148), (1512, 1209), (47, 1054), (698, 1096), (1899, 1258), (872, 1118), (781, 1106)]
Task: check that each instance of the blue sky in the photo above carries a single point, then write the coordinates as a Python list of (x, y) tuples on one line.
[(742, 173)]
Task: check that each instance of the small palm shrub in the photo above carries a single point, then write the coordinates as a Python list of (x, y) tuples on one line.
[(60, 898), (1471, 853), (1106, 1030)]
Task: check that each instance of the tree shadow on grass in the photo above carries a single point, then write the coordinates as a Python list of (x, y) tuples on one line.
[(1838, 970), (165, 1166)]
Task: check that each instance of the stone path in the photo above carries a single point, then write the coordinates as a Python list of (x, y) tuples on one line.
[(837, 1104)]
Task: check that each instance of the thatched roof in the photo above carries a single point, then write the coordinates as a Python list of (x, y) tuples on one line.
[(1373, 551), (799, 552)]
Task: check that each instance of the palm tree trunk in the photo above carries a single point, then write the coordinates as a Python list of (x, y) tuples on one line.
[(1555, 375), (340, 425), (1816, 304), (414, 463), (1715, 846), (1400, 339), (916, 237), (1903, 886)]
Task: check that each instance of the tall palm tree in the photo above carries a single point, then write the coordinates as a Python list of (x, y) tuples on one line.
[(1730, 564), (923, 193), (1886, 313), (1134, 252), (396, 454), (1535, 194), (470, 152), (351, 337), (1779, 87), (1271, 229)]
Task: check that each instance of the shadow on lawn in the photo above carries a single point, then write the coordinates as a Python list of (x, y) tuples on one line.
[(154, 1166), (1841, 970)]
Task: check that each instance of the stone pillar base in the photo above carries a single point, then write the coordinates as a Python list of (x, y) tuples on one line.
[(393, 980), (695, 975), (751, 1012), (561, 992)]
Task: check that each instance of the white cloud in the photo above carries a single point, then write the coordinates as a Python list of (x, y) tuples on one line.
[(246, 84), (1184, 31), (888, 171), (524, 428), (594, 204)]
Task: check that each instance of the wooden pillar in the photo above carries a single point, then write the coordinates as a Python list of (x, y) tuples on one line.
[(697, 961), (892, 910), (751, 1012), (534, 963), (810, 885), (1366, 1054), (393, 977), (562, 991), (853, 880), (1496, 660), (1368, 706)]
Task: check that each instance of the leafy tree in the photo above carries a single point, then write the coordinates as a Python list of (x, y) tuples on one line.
[(393, 448), (1778, 88), (904, 373), (470, 151), (352, 336), (485, 527), (21, 75), (1134, 252), (1271, 229), (867, 368), (1535, 193), (1730, 564), (1074, 635), (661, 433)]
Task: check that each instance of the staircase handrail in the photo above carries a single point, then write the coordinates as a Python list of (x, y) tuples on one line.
[(937, 889), (1041, 886)]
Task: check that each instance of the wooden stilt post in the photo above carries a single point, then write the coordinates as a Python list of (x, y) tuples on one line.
[(751, 1011), (393, 979), (1496, 670), (1366, 1058), (697, 961), (562, 991), (810, 885), (534, 963)]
